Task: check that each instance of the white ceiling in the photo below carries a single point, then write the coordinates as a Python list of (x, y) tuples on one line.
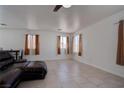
[(42, 17)]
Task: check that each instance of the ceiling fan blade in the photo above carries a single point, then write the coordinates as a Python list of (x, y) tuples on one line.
[(57, 7)]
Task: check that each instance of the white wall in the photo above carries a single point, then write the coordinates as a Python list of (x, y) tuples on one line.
[(100, 45), (15, 39)]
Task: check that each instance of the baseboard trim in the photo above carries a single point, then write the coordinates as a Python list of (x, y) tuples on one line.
[(58, 59), (101, 68)]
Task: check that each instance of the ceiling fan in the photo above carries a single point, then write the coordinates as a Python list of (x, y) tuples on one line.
[(57, 7)]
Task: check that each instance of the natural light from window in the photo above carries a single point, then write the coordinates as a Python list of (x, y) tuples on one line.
[(76, 44), (63, 42), (31, 41)]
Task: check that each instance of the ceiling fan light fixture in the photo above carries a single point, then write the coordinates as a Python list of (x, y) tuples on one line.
[(66, 6)]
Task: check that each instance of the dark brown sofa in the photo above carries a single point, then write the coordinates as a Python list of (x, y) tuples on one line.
[(23, 71), (5, 60)]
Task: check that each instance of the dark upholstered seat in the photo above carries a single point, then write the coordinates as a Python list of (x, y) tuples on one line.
[(5, 59), (20, 71), (11, 78), (34, 69)]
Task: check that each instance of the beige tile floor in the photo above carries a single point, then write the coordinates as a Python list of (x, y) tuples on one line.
[(72, 74)]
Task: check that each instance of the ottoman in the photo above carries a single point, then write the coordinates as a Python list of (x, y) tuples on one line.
[(34, 70)]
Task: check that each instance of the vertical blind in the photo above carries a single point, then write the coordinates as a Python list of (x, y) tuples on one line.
[(58, 45), (67, 40), (26, 45), (80, 45), (120, 48), (37, 51)]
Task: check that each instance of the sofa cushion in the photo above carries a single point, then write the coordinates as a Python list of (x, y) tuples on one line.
[(6, 61), (5, 55), (10, 78), (35, 67), (34, 70)]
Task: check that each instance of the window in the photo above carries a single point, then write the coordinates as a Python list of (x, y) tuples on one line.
[(63, 44), (31, 41), (76, 44), (32, 44)]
